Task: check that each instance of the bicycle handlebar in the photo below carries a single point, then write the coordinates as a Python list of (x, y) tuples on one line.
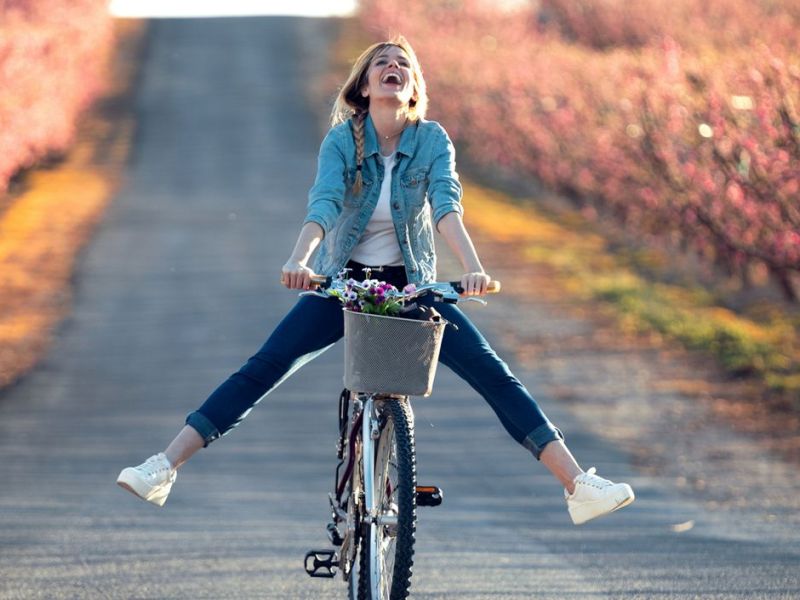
[(450, 291)]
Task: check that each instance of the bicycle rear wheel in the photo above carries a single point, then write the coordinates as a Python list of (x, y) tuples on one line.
[(387, 551)]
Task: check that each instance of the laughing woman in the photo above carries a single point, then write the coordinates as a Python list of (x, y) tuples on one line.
[(386, 177)]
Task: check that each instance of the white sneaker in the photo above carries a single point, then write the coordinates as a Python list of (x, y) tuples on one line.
[(594, 497), (151, 480)]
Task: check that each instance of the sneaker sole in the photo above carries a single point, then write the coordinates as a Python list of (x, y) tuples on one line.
[(142, 490), (593, 510)]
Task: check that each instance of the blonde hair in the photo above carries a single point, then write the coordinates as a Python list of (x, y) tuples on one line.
[(350, 104)]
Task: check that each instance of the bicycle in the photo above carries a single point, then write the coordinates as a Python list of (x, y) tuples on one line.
[(375, 497)]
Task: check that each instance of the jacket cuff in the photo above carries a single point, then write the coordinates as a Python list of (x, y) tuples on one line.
[(445, 210)]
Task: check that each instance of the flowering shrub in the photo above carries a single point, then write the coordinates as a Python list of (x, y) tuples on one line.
[(52, 54), (372, 296), (680, 121)]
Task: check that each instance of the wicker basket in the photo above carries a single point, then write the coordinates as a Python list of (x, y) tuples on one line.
[(390, 355)]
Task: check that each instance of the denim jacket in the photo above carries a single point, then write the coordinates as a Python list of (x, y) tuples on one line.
[(425, 187)]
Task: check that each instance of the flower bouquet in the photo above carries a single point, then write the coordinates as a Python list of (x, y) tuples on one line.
[(373, 297)]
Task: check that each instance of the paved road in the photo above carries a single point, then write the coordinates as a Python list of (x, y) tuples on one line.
[(179, 287)]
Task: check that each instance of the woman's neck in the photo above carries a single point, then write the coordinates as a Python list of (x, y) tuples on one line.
[(389, 124)]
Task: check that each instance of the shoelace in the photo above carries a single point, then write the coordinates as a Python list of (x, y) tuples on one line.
[(589, 478), (154, 465)]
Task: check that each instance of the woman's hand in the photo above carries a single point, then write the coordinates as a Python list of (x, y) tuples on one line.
[(296, 276), (475, 283)]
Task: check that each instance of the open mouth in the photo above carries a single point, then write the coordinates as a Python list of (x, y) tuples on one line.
[(393, 79)]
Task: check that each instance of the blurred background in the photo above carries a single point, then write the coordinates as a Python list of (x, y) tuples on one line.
[(670, 128)]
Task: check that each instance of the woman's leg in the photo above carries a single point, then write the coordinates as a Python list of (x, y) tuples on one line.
[(560, 462), (310, 328), (471, 357), (185, 444)]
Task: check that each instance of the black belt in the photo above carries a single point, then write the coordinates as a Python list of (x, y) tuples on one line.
[(396, 275)]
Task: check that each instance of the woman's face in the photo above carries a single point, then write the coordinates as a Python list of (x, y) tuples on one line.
[(390, 77)]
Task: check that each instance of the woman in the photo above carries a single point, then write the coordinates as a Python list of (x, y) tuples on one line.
[(385, 178)]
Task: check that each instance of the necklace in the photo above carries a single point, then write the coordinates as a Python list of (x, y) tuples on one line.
[(388, 137)]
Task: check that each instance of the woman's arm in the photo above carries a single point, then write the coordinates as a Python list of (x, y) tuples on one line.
[(474, 280), (324, 207), (295, 274)]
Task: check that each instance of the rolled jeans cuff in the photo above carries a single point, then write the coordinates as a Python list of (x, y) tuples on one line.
[(537, 439), (200, 423)]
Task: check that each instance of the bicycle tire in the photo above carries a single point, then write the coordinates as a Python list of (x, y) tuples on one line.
[(395, 544), (358, 585)]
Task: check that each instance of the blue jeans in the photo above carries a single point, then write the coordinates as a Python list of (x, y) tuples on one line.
[(315, 324)]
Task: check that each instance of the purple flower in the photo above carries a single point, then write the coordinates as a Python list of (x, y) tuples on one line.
[(410, 289)]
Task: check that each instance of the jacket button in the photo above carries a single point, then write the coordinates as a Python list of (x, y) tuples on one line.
[(396, 205)]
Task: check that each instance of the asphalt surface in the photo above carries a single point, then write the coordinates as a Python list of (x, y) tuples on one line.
[(180, 286)]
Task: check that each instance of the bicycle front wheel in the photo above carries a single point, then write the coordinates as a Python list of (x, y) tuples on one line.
[(388, 546)]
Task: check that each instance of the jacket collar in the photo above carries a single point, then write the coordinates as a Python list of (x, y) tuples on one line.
[(407, 144)]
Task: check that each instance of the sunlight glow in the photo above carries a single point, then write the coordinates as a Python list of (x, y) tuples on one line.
[(230, 8)]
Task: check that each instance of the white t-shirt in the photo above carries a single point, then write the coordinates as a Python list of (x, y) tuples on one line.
[(378, 245)]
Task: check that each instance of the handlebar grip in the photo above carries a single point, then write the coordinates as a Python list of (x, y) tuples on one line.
[(494, 287), (321, 280)]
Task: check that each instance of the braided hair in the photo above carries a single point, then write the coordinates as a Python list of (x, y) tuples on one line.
[(358, 119), (351, 105)]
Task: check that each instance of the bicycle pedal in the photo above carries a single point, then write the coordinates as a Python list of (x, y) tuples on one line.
[(429, 495), (322, 563)]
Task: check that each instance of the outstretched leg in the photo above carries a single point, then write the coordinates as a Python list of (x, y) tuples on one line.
[(311, 327), (469, 355)]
